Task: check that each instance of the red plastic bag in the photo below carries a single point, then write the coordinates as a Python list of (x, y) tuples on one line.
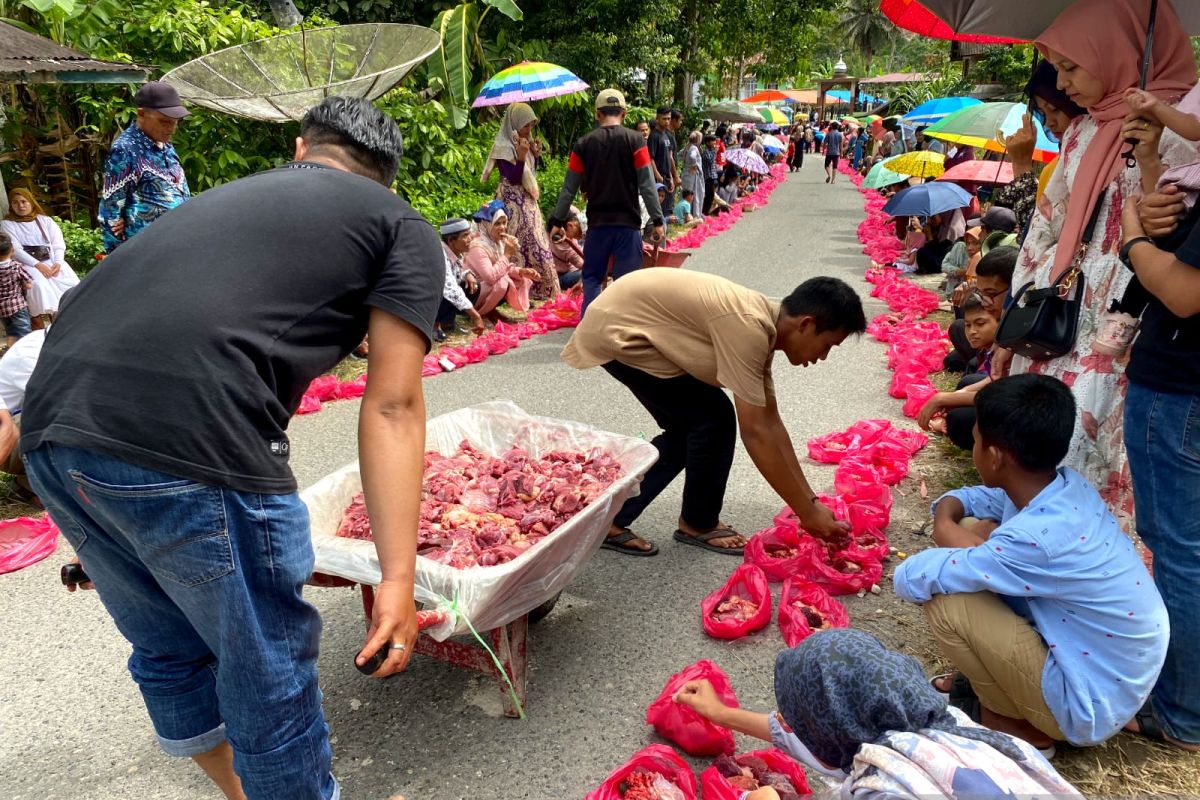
[(889, 459), (748, 583), (905, 375), (678, 723), (352, 389), (714, 786), (27, 540), (657, 758), (866, 516), (853, 477), (475, 352), (776, 551), (845, 572), (869, 543), (430, 366), (455, 356), (324, 388), (309, 404), (918, 395), (794, 623)]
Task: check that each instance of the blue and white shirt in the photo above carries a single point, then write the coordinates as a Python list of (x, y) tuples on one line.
[(143, 180), (1064, 564)]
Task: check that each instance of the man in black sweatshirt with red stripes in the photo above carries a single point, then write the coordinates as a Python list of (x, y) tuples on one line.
[(612, 165)]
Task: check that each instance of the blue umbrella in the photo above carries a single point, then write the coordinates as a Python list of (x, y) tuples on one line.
[(927, 199), (931, 111)]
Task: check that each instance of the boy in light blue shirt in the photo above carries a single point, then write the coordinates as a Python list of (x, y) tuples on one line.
[(1051, 618), (683, 209)]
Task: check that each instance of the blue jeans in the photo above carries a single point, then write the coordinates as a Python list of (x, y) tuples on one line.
[(1162, 437), (206, 584), (567, 280), (624, 245)]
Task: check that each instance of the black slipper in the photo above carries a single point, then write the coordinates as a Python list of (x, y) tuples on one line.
[(1148, 725), (962, 696), (620, 543), (702, 540)]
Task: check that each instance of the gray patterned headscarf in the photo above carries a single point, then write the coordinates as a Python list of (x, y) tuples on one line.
[(841, 688)]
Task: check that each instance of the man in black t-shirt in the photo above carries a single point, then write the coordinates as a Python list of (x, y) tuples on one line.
[(612, 166), (661, 144), (174, 370)]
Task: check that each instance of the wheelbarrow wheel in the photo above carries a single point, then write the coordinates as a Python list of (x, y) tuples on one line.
[(543, 611)]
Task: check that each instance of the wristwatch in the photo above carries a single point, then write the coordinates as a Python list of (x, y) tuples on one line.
[(1128, 246)]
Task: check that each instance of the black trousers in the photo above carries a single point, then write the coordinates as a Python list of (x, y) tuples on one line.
[(710, 192), (699, 433), (960, 422)]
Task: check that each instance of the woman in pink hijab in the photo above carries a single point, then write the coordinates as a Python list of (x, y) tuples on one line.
[(1096, 46)]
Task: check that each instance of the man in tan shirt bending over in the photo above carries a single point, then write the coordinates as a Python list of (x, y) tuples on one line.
[(675, 338)]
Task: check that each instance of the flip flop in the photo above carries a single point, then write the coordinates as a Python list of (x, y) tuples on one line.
[(702, 540), (937, 679), (621, 541)]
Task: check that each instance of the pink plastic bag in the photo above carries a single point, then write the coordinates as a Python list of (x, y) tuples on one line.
[(776, 551), (748, 583), (475, 352), (309, 404), (352, 389), (657, 758), (854, 477), (324, 388), (455, 356), (918, 395), (715, 786), (27, 540), (846, 572), (679, 724), (794, 623), (869, 543), (870, 514), (430, 366)]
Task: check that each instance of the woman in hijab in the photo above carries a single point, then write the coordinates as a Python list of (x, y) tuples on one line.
[(1096, 47), (514, 154), (1054, 110), (494, 259), (866, 717), (942, 232), (693, 173), (39, 246)]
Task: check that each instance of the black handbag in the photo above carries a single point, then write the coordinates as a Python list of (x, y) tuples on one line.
[(1041, 324)]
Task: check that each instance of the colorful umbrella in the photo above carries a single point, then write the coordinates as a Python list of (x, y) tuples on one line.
[(939, 108), (748, 160), (767, 96), (772, 115), (918, 163), (980, 172), (529, 80), (912, 16), (771, 141), (927, 199), (732, 111), (986, 125), (1027, 19), (880, 176)]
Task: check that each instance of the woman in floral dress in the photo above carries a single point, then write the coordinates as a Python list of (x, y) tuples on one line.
[(514, 154), (1096, 46)]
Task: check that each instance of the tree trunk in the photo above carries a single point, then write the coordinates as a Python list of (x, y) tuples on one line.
[(285, 12)]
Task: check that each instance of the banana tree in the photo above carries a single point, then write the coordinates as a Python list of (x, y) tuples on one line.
[(453, 67)]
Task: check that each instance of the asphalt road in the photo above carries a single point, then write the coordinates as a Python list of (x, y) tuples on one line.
[(72, 724)]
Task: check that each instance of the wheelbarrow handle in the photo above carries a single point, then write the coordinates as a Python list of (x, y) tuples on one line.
[(425, 619)]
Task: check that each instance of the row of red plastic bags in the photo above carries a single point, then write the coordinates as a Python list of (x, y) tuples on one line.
[(719, 223), (750, 583)]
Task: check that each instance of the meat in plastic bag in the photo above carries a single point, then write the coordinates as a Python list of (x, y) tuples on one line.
[(324, 388), (430, 366), (626, 782), (25, 541), (348, 390), (681, 725), (740, 607), (917, 395), (776, 551), (765, 767), (853, 477), (309, 404), (805, 607), (843, 572)]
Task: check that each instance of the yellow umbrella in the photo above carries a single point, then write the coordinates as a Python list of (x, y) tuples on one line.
[(773, 115), (919, 163)]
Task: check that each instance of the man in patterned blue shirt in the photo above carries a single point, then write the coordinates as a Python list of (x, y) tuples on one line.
[(143, 178)]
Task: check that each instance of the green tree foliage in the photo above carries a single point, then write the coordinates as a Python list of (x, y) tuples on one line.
[(865, 29)]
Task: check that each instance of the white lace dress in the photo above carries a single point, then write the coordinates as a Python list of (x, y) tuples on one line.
[(1097, 381), (45, 293)]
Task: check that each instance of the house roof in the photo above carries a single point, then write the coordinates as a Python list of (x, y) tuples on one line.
[(896, 77), (28, 58)]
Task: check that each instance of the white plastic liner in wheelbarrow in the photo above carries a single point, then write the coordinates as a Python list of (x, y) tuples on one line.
[(489, 596)]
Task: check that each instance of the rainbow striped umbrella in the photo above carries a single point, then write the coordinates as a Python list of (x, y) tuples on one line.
[(529, 80)]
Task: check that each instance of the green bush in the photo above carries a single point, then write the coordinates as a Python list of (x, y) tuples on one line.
[(83, 245)]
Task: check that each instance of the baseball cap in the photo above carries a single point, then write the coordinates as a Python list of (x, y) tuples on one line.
[(610, 98), (660, 187), (160, 97)]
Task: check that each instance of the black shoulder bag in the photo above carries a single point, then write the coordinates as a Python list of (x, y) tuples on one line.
[(1043, 323)]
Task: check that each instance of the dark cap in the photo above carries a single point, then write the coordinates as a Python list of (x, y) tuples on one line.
[(999, 218), (160, 97)]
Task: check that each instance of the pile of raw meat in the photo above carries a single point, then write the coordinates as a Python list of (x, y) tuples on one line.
[(735, 608), (479, 510), (748, 773), (642, 784)]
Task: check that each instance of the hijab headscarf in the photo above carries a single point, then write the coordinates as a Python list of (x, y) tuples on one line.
[(951, 228), (35, 208), (1106, 38), (516, 117), (487, 216), (840, 689)]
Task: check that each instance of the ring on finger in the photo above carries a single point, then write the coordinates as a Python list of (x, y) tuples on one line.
[(399, 646)]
